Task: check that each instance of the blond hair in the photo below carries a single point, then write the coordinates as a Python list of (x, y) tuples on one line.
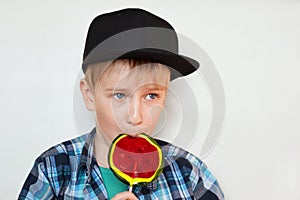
[(94, 72)]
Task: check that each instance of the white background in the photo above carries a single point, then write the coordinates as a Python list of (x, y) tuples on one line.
[(255, 47)]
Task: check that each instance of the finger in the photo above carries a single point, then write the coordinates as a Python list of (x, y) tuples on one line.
[(125, 196)]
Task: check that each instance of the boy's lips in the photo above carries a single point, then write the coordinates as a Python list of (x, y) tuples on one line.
[(135, 133)]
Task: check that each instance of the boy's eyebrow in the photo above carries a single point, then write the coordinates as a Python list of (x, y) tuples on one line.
[(115, 89), (155, 88), (148, 88)]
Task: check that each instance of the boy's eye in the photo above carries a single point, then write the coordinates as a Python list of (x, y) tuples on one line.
[(119, 96), (151, 96)]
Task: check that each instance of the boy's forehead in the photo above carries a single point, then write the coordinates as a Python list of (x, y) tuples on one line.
[(123, 75)]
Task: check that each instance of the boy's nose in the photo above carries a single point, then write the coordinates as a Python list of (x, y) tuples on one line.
[(135, 116)]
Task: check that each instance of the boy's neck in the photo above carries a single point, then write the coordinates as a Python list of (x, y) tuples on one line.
[(101, 148)]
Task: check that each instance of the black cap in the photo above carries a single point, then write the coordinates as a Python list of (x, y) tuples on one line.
[(138, 34)]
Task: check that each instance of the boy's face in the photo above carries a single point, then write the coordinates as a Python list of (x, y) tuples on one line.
[(128, 101)]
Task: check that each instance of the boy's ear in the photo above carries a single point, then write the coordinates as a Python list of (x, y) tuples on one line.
[(88, 95)]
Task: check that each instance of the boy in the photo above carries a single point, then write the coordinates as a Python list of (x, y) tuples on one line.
[(129, 58)]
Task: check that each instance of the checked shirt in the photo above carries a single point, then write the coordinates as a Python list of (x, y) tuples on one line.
[(70, 171)]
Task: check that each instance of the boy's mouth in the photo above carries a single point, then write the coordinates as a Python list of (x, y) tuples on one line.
[(135, 134), (134, 131)]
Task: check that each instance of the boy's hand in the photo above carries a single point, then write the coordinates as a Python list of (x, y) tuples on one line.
[(125, 196)]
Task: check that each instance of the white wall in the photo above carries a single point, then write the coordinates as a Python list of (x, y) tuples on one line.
[(254, 46)]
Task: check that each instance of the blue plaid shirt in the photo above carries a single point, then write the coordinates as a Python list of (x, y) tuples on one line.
[(69, 171)]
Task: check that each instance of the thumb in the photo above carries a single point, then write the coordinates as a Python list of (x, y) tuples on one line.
[(125, 196)]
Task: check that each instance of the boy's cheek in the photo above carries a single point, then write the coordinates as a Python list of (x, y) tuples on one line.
[(154, 112), (119, 112)]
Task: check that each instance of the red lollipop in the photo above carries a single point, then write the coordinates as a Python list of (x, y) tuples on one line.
[(135, 160)]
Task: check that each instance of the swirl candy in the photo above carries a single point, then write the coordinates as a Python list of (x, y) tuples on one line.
[(135, 160)]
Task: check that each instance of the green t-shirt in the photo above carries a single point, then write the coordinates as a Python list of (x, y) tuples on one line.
[(112, 184)]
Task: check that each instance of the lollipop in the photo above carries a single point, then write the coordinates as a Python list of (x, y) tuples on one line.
[(135, 160)]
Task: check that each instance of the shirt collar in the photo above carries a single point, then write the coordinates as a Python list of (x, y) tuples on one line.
[(87, 155)]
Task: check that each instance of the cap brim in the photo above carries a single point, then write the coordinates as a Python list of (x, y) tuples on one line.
[(182, 65)]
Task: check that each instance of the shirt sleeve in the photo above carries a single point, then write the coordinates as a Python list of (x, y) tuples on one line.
[(37, 185), (206, 187)]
